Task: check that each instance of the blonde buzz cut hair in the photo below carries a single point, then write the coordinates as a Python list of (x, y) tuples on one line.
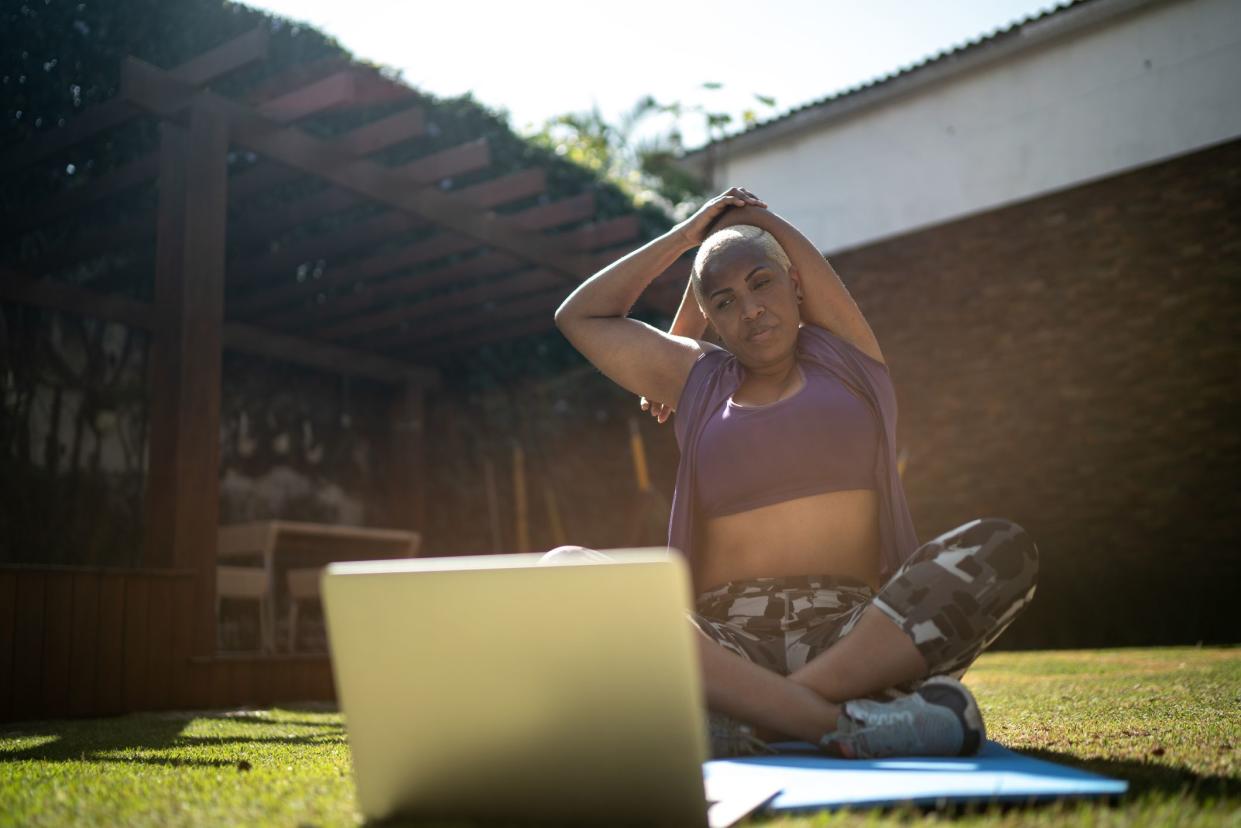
[(720, 240)]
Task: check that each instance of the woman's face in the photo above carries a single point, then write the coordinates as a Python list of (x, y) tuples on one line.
[(751, 300)]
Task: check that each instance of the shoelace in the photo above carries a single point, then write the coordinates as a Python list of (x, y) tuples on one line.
[(862, 730), (730, 737)]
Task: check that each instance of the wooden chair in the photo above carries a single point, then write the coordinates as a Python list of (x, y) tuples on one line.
[(303, 585), (245, 583)]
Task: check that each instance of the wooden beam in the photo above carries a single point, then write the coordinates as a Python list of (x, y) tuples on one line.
[(390, 293), (59, 296), (213, 64), (585, 239), (105, 115), (276, 300), (318, 96), (463, 158), (534, 218), (536, 323), (297, 350), (504, 189), (365, 233), (554, 214), (489, 315), (182, 503), (350, 87), (256, 228), (604, 233), (407, 124), (467, 157), (485, 194), (157, 92), (21, 289), (331, 358), (96, 242), (412, 319), (488, 264), (383, 133), (297, 75), (663, 295), (210, 65), (257, 180), (122, 178), (290, 106)]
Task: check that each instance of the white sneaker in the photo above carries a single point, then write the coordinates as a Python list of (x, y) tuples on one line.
[(941, 718)]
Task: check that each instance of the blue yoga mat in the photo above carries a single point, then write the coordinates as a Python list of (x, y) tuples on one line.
[(808, 780)]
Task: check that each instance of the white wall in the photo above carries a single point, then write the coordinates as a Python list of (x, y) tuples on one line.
[(1151, 84)]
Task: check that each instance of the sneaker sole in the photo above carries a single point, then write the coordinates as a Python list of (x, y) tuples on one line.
[(947, 691)]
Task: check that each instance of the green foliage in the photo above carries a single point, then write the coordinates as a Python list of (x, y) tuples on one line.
[(645, 168), (1164, 719)]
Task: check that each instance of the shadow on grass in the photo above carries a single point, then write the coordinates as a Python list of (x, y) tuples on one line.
[(107, 740), (1147, 778)]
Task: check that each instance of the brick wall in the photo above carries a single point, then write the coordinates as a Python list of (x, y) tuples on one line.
[(1071, 363)]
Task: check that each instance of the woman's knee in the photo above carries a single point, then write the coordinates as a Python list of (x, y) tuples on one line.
[(1009, 551), (968, 586), (572, 554)]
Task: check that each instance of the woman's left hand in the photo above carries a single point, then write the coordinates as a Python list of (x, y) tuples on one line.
[(658, 410), (695, 229)]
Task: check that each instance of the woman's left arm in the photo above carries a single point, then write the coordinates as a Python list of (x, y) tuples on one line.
[(826, 301)]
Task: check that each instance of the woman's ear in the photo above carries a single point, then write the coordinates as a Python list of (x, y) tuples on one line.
[(795, 278)]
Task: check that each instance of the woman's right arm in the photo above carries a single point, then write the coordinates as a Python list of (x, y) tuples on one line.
[(635, 355), (630, 352), (691, 322)]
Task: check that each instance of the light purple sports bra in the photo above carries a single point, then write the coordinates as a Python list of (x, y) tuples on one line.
[(821, 439)]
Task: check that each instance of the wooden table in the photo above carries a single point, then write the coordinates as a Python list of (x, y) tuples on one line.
[(267, 539)]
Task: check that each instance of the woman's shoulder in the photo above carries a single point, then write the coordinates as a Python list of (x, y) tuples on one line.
[(815, 341)]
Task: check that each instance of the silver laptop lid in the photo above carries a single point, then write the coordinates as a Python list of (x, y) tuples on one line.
[(489, 686)]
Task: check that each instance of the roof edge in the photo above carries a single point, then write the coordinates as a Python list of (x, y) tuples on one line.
[(1002, 44)]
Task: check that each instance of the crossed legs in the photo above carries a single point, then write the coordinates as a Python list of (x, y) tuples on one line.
[(804, 704), (942, 607), (939, 610)]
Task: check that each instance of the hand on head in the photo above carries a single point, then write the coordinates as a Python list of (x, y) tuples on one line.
[(697, 227)]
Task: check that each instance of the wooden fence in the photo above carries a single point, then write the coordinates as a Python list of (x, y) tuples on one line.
[(91, 642)]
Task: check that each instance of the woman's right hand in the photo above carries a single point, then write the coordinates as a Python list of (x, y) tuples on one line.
[(695, 229)]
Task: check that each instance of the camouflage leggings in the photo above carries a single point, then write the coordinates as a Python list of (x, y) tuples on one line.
[(952, 597)]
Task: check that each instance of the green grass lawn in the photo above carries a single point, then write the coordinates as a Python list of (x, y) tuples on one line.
[(1168, 720)]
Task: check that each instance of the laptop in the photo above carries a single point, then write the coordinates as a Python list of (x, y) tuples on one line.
[(490, 687)]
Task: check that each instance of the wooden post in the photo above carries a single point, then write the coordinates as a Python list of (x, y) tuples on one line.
[(493, 503), (638, 449), (407, 485), (182, 498), (521, 528)]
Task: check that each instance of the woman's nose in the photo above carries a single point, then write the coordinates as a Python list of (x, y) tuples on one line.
[(750, 309)]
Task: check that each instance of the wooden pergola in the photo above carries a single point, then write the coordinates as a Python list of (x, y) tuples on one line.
[(427, 270)]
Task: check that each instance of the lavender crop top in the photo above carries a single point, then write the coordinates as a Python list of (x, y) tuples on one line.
[(717, 375), (822, 438)]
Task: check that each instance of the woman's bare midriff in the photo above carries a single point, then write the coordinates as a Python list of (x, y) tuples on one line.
[(834, 533)]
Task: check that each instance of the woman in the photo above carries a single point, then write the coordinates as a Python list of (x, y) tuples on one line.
[(820, 618)]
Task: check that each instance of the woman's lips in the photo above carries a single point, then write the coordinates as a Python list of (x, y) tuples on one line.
[(762, 336)]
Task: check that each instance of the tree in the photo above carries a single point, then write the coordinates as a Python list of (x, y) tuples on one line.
[(644, 167)]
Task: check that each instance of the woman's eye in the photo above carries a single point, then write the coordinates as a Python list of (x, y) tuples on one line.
[(761, 283), (723, 303)]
